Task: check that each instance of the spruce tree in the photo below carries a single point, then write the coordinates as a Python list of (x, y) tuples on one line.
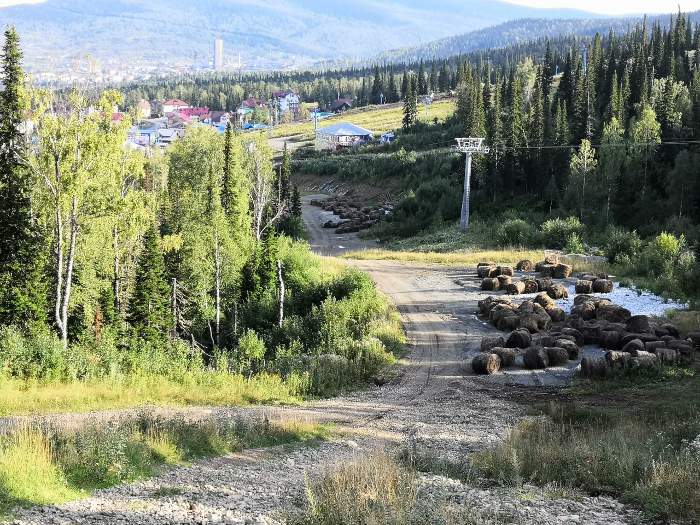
[(22, 292), (410, 105), (364, 98), (149, 313), (444, 78), (285, 177), (404, 84), (296, 203), (377, 87), (393, 96), (422, 83)]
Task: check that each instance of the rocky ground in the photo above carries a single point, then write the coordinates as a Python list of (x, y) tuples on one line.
[(435, 406)]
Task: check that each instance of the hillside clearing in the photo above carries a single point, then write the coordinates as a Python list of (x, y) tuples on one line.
[(378, 119)]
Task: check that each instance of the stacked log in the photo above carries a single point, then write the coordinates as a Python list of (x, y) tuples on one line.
[(557, 356), (525, 266), (536, 358), (557, 291), (489, 343), (504, 280), (562, 271), (594, 283), (486, 364), (507, 356), (584, 286), (531, 286), (603, 286), (490, 284), (515, 288), (505, 270), (354, 216)]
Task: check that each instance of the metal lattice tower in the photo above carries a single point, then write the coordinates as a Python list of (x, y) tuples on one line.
[(469, 146)]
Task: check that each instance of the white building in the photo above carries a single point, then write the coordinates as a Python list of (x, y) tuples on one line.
[(218, 54), (173, 105), (287, 101), (342, 135)]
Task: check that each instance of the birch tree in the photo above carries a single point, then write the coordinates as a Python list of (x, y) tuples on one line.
[(78, 149)]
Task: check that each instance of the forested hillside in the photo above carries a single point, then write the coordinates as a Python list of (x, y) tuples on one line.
[(159, 272), (601, 154), (517, 31), (366, 83)]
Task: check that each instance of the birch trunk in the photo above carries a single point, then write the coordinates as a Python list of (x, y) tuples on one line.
[(217, 259), (280, 283), (69, 271)]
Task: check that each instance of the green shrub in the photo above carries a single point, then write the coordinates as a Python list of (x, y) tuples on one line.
[(622, 246), (574, 244), (661, 256), (515, 232), (37, 355), (556, 232), (251, 350)]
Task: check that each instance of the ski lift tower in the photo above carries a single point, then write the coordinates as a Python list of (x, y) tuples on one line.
[(469, 146)]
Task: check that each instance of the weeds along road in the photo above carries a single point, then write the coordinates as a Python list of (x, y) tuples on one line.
[(434, 406)]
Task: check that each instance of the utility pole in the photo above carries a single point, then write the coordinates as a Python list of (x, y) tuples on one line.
[(469, 146)]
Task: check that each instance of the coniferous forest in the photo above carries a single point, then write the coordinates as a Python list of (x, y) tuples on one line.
[(597, 139)]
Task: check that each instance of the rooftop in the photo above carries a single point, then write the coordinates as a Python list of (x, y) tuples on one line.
[(345, 129)]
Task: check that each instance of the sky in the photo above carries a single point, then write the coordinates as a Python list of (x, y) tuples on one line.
[(5, 3), (617, 7), (612, 7)]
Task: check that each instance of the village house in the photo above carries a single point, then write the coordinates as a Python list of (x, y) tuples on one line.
[(193, 114), (172, 105), (218, 118), (286, 101), (341, 135)]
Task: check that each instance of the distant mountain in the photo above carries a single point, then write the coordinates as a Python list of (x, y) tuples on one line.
[(272, 34), (516, 31)]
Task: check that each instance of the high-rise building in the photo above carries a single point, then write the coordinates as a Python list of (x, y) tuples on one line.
[(218, 54)]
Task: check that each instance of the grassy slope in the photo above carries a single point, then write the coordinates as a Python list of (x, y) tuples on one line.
[(377, 119), (213, 389), (631, 438), (41, 467)]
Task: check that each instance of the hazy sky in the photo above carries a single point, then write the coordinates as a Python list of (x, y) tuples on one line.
[(598, 6), (617, 6), (4, 3)]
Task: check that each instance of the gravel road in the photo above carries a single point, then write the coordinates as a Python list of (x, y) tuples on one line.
[(434, 405)]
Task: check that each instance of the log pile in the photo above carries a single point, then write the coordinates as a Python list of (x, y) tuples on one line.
[(545, 338), (353, 215), (533, 316), (589, 283)]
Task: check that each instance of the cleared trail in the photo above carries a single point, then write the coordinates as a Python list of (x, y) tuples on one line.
[(434, 405)]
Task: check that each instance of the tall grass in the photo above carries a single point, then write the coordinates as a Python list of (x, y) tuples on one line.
[(378, 490), (649, 459), (39, 466), (22, 397), (458, 258)]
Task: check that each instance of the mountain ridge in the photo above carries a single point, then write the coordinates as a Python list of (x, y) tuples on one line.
[(280, 34)]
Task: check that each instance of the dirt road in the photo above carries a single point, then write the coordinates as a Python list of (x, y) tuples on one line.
[(433, 406)]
